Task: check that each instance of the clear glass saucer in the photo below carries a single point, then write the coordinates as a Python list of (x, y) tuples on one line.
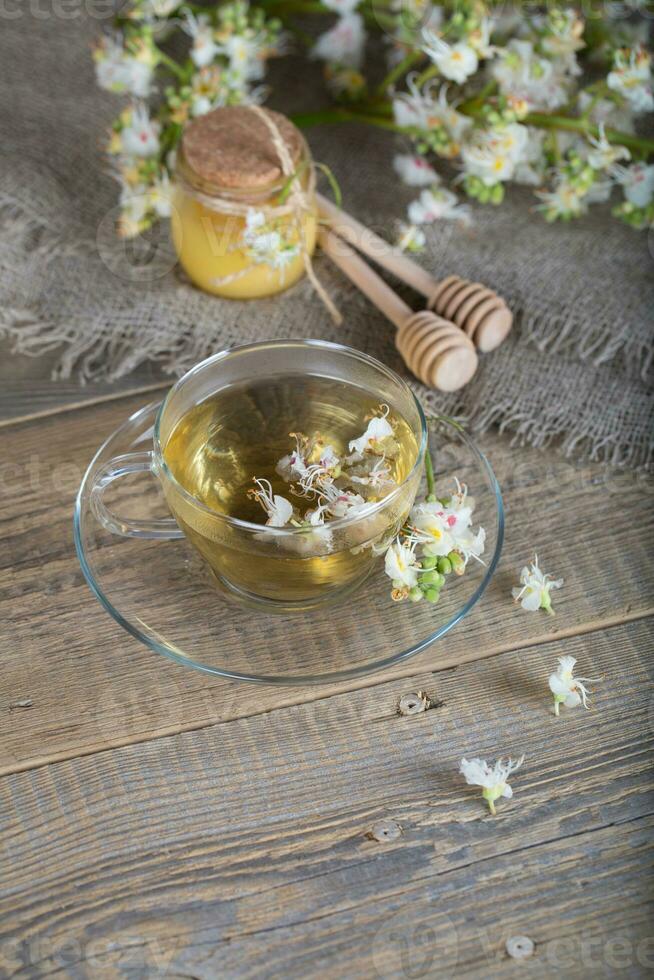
[(163, 594)]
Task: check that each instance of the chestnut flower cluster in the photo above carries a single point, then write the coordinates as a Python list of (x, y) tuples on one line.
[(440, 529), (505, 94), (498, 93), (226, 50), (335, 485)]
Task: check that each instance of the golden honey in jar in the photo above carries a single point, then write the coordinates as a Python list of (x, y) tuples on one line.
[(237, 230)]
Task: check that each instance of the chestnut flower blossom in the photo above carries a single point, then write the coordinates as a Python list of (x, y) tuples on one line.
[(294, 465), (564, 200), (414, 170), (436, 204), (410, 238), (379, 428), (204, 48), (566, 688), (138, 135), (160, 193), (535, 586), (412, 108), (522, 74), (278, 509), (480, 38), (125, 69), (492, 155), (341, 6), (603, 154), (243, 53), (342, 44), (443, 528), (377, 477), (632, 78), (454, 61), (637, 182), (492, 779), (401, 565), (342, 503)]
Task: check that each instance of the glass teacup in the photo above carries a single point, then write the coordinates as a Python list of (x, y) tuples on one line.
[(270, 385)]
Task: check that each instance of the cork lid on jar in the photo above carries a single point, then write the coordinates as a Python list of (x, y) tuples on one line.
[(232, 147)]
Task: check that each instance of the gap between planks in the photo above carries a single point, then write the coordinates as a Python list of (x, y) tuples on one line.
[(378, 678)]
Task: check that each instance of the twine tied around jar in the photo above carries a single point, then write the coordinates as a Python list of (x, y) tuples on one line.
[(299, 202)]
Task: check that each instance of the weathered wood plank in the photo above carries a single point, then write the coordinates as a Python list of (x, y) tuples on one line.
[(26, 388), (20, 402), (93, 687), (241, 850)]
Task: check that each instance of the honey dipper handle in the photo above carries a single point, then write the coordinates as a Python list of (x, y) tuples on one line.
[(379, 250), (360, 273)]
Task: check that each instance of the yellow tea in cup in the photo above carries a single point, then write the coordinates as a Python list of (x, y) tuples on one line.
[(218, 447), (225, 449)]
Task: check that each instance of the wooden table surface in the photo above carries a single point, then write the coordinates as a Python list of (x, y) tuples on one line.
[(159, 822)]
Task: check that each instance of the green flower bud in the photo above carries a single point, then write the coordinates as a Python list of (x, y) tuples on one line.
[(432, 595), (429, 562), (430, 578), (444, 566), (415, 595), (457, 562), (497, 194)]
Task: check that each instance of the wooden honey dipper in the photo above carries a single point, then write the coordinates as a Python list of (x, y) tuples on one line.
[(435, 350), (477, 310)]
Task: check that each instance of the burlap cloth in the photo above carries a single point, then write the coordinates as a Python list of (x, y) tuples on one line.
[(575, 369)]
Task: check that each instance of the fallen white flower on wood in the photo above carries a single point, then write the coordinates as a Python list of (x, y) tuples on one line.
[(534, 591), (566, 688), (492, 779)]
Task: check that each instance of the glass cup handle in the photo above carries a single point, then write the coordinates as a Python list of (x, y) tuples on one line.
[(164, 528)]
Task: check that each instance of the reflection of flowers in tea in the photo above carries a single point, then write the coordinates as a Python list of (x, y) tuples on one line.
[(373, 476)]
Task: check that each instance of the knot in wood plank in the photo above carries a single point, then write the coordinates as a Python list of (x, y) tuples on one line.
[(520, 947), (384, 830), (414, 704)]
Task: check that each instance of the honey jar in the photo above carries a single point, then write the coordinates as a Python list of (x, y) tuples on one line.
[(244, 215)]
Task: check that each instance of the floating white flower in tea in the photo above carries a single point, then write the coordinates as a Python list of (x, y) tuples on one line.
[(341, 487), (279, 509)]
